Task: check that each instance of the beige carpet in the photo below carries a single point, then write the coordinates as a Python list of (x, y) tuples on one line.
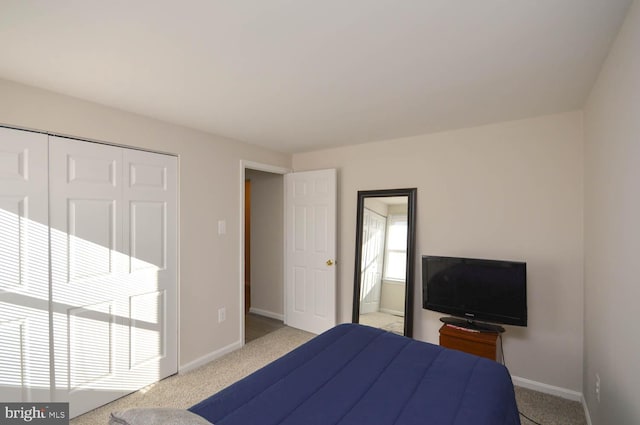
[(182, 391), (548, 410), (185, 390), (386, 321), (256, 326)]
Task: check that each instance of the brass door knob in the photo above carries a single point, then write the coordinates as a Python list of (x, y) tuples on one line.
[(329, 262)]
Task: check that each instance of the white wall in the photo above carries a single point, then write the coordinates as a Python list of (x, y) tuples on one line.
[(376, 206), (209, 183), (511, 190), (392, 297), (612, 232), (267, 242)]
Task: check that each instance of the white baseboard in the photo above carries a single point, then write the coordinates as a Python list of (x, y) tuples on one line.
[(394, 312), (266, 313), (547, 389), (209, 357)]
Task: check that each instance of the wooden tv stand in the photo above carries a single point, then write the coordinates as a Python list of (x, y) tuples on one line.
[(481, 344)]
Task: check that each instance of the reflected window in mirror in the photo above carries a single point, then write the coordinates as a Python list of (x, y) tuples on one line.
[(395, 264)]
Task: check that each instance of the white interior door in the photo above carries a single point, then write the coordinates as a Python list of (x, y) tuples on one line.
[(373, 236), (310, 270), (24, 267), (113, 270)]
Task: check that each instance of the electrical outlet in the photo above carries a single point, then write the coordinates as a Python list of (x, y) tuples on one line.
[(598, 387), (222, 315)]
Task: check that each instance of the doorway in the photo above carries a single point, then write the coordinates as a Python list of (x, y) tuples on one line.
[(263, 252)]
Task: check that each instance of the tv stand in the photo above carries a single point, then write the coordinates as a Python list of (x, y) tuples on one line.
[(472, 325), (471, 337)]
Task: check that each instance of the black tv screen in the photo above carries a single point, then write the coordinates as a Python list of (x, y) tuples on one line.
[(475, 289)]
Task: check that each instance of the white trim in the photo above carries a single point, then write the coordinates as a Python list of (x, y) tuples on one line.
[(587, 415), (209, 357), (241, 255), (264, 167), (391, 281), (85, 139), (178, 261), (285, 275), (259, 167), (266, 313), (547, 389), (394, 312)]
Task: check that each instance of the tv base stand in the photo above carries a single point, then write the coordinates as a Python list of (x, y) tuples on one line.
[(472, 325), (481, 344)]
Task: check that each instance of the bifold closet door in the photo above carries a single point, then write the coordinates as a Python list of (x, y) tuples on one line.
[(373, 236), (150, 236), (113, 270), (24, 267)]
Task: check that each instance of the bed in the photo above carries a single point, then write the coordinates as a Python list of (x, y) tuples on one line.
[(355, 374)]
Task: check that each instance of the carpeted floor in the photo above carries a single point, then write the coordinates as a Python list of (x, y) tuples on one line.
[(182, 391), (386, 321), (547, 409), (256, 326)]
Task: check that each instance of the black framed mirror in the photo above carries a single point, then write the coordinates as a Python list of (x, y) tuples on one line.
[(384, 266)]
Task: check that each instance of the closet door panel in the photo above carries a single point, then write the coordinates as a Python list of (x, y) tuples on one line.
[(150, 233), (147, 235), (92, 237), (114, 270), (88, 274), (24, 267)]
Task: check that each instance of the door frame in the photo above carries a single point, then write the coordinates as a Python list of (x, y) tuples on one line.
[(251, 165)]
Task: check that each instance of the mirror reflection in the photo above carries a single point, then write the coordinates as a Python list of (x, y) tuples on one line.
[(384, 237)]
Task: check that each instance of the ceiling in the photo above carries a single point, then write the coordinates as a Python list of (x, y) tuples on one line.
[(301, 75)]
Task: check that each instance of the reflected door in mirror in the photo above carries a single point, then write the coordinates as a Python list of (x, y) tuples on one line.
[(373, 237)]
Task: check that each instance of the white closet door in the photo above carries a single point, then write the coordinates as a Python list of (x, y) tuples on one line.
[(24, 267), (150, 238), (109, 260), (88, 275), (373, 234)]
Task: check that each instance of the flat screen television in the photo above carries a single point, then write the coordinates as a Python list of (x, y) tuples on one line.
[(493, 291)]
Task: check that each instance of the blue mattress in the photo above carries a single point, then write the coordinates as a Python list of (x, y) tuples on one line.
[(354, 374)]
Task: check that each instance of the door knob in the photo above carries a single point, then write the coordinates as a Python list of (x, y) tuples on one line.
[(329, 262)]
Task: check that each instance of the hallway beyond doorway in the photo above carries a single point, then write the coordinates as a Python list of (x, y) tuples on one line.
[(257, 326)]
